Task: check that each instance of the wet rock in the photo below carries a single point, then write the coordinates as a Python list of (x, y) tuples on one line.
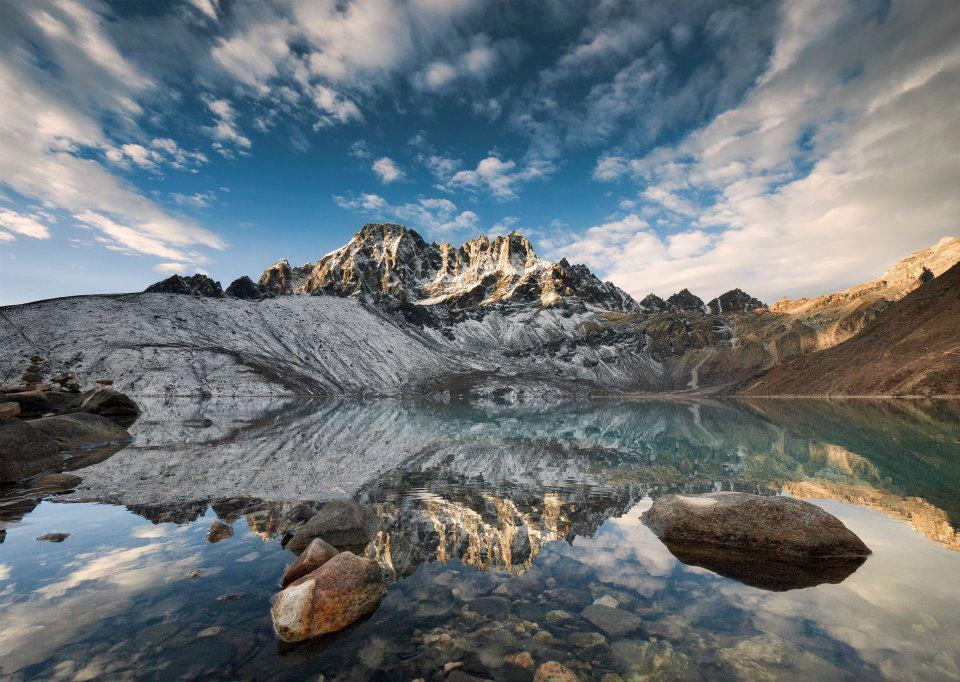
[(227, 598), (776, 525), (768, 657), (340, 592), (342, 523), (198, 423), (614, 622), (108, 403), (587, 640), (53, 537), (569, 597), (57, 481), (313, 557), (219, 531), (62, 402), (9, 410), (522, 659), (607, 600), (654, 660), (557, 616), (80, 430), (551, 671), (24, 451), (494, 608), (32, 403)]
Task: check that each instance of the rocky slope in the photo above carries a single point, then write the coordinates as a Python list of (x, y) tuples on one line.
[(912, 347), (391, 314)]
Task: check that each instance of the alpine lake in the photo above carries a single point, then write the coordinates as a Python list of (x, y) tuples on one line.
[(500, 527)]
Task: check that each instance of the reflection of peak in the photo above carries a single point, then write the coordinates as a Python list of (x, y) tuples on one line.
[(923, 517)]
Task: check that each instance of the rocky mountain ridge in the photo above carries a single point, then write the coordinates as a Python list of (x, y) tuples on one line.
[(390, 314)]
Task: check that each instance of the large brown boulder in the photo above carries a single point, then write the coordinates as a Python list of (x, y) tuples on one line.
[(342, 591), (781, 526), (109, 403), (342, 523), (80, 430), (25, 451), (314, 556), (32, 403), (9, 411)]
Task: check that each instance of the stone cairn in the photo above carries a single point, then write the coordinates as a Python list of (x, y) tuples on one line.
[(33, 376)]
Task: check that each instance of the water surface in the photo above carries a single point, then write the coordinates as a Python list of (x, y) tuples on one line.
[(499, 527)]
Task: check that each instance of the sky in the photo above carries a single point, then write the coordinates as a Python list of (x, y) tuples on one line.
[(786, 148)]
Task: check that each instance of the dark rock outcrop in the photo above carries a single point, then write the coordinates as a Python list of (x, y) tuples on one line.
[(32, 403), (80, 430), (342, 523), (342, 591), (108, 403), (244, 287), (684, 300), (653, 302), (24, 451), (193, 285), (776, 526), (734, 301)]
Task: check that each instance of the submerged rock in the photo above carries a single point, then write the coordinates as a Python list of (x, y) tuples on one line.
[(768, 657), (342, 523), (53, 537), (314, 556), (345, 589), (551, 671), (24, 451), (614, 622), (57, 481), (774, 525), (80, 430), (219, 531)]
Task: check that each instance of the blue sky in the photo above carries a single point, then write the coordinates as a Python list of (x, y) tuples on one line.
[(786, 148)]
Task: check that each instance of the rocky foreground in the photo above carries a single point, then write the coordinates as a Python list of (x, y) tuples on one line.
[(389, 314)]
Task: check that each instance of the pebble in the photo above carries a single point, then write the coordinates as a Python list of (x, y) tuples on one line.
[(607, 600), (551, 671), (522, 659), (53, 537)]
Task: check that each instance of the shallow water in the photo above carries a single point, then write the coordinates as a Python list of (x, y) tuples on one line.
[(500, 526)]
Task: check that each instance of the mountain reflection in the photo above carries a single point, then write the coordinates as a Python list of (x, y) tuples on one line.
[(491, 485)]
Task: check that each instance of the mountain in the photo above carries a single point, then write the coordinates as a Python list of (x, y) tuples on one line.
[(912, 347), (392, 314)]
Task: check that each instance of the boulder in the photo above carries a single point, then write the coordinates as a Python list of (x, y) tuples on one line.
[(551, 671), (57, 481), (345, 589), (9, 411), (53, 537), (244, 287), (24, 451), (63, 402), (779, 526), (32, 403), (614, 622), (108, 403), (342, 523), (80, 430), (313, 557)]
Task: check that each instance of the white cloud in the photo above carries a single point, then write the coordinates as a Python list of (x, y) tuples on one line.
[(500, 178), (387, 170), (195, 200), (435, 216), (225, 128), (22, 224), (206, 7)]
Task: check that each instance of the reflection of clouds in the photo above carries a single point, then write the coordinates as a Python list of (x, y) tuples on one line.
[(4, 571), (907, 582), (625, 553), (97, 586), (158, 531)]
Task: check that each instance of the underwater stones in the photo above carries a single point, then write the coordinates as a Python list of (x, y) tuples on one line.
[(654, 661), (218, 531), (522, 659), (313, 557), (768, 657), (25, 451), (557, 616), (587, 640), (80, 430), (53, 537), (776, 525), (551, 671), (343, 590), (342, 523), (614, 622)]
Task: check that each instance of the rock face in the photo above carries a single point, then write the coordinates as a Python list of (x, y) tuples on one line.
[(314, 556), (341, 523), (194, 285), (779, 526), (734, 301), (684, 300), (280, 278), (244, 288), (343, 590), (79, 430), (24, 451)]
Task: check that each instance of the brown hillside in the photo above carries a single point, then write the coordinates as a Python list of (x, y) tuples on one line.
[(911, 348)]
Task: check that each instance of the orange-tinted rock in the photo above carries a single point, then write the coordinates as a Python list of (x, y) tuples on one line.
[(314, 556), (551, 671)]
